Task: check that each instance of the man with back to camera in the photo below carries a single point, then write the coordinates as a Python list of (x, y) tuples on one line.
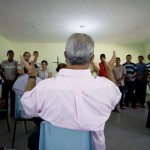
[(74, 98)]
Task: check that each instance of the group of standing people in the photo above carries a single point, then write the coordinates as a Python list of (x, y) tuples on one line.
[(131, 79), (11, 70)]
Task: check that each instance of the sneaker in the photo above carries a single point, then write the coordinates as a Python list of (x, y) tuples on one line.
[(123, 107), (116, 110)]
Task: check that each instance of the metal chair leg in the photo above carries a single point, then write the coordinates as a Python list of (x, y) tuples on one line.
[(8, 124), (14, 133), (25, 125)]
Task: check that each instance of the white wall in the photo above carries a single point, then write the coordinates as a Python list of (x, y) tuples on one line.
[(121, 51), (5, 45), (50, 52), (147, 50), (46, 51)]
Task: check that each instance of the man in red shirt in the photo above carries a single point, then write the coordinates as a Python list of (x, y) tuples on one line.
[(102, 69)]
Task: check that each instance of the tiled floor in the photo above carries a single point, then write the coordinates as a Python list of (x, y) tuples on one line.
[(124, 131)]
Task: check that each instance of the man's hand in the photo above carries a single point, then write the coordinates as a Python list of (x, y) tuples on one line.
[(109, 65), (109, 68), (31, 69), (118, 81), (34, 59), (32, 72)]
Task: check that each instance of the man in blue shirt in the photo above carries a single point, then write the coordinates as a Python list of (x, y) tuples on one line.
[(140, 82)]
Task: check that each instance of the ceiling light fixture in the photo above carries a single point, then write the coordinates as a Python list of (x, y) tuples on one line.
[(82, 26)]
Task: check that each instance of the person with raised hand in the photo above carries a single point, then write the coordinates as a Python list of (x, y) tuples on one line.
[(73, 98)]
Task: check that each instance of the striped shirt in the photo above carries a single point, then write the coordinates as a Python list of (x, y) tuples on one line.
[(130, 69), (148, 69)]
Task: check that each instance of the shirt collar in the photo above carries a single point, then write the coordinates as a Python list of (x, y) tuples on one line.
[(129, 63), (74, 73), (7, 61)]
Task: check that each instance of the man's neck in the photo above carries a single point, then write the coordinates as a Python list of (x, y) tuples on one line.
[(10, 60), (118, 65), (128, 62), (77, 67), (140, 62), (43, 69)]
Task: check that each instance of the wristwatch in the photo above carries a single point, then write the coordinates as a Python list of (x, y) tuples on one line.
[(31, 77)]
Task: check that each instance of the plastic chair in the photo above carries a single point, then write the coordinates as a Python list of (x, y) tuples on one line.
[(56, 138), (20, 115)]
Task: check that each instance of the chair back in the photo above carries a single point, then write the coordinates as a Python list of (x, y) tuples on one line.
[(19, 111), (56, 138)]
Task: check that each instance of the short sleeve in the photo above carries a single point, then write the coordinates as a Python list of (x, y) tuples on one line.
[(124, 70), (32, 102), (135, 68)]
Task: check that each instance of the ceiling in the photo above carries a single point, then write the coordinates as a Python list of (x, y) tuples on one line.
[(52, 21)]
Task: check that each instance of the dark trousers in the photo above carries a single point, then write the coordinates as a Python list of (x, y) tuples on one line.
[(148, 116), (140, 91), (130, 93), (121, 103), (6, 89), (33, 140)]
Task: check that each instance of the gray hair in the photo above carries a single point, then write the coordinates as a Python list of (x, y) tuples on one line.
[(79, 49)]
